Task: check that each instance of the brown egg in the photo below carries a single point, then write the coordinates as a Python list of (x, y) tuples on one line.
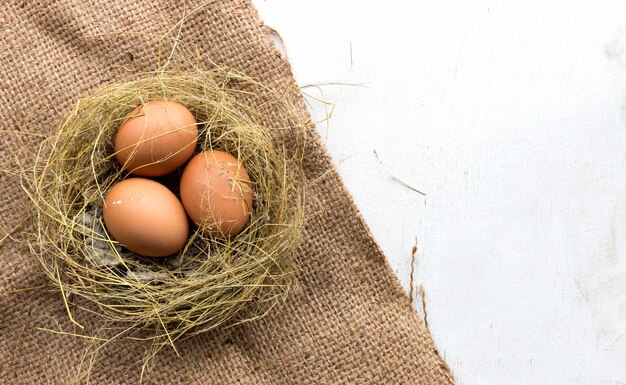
[(145, 217), (156, 138), (217, 193)]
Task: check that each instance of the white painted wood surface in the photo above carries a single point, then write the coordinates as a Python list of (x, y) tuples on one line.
[(508, 116)]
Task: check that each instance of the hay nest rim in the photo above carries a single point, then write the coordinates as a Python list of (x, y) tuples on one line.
[(211, 282)]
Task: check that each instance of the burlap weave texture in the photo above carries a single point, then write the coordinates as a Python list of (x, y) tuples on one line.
[(349, 323)]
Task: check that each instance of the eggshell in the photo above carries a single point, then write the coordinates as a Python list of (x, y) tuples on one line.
[(216, 192), (145, 217), (156, 138)]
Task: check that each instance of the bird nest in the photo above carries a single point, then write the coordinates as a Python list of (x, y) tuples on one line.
[(211, 282)]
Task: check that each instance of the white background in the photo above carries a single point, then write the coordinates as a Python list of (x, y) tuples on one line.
[(508, 116)]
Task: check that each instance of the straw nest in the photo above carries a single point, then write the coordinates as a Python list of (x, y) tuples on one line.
[(210, 282)]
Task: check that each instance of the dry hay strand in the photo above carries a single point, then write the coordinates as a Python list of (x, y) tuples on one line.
[(211, 282)]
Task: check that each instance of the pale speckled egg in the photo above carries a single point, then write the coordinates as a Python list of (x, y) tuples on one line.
[(156, 138), (216, 192), (145, 217)]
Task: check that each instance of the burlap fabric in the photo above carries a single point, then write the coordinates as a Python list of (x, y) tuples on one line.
[(349, 323)]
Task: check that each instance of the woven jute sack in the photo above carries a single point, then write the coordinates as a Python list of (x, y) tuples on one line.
[(348, 321)]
